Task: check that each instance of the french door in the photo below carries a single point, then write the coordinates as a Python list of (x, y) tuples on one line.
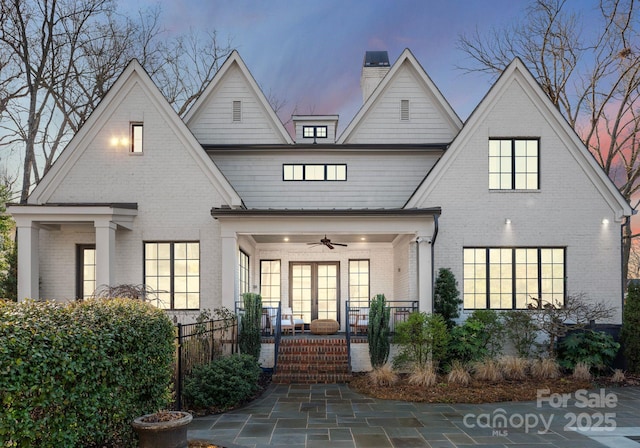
[(314, 290)]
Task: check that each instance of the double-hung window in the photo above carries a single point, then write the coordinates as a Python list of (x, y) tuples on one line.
[(513, 278), (514, 164), (172, 271)]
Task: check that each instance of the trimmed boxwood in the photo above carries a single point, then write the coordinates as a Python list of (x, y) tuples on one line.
[(224, 382), (75, 375)]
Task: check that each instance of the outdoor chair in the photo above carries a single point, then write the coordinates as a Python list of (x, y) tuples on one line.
[(296, 319), (359, 321)]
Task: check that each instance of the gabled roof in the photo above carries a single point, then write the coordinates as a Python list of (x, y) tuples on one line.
[(517, 71), (133, 74), (409, 58), (234, 59)]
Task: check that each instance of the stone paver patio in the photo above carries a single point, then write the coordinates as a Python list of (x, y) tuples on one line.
[(332, 415)]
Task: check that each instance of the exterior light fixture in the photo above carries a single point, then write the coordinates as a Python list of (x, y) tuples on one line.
[(507, 221), (363, 239), (605, 221), (286, 238)]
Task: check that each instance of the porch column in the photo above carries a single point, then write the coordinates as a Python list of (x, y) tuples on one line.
[(425, 274), (105, 252), (229, 270), (28, 259)]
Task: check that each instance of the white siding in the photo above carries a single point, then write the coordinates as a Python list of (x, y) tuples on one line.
[(428, 122), (567, 210), (375, 179), (214, 124)]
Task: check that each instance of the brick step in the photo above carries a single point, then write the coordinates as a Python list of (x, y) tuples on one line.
[(311, 361)]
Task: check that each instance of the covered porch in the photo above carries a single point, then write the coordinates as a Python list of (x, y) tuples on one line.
[(315, 262)]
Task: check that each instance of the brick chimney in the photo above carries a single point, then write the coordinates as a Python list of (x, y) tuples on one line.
[(374, 68)]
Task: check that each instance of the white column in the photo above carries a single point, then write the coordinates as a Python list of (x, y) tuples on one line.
[(105, 252), (229, 271), (28, 259), (425, 274)]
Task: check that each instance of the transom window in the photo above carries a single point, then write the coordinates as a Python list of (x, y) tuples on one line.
[(270, 280), (311, 172), (314, 131), (514, 164), (513, 278), (172, 270)]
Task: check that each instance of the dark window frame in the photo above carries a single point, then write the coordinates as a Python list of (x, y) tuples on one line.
[(80, 264), (314, 135), (304, 172), (514, 174), (368, 260), (133, 149), (244, 281), (271, 260)]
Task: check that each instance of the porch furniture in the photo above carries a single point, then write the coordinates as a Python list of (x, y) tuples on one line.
[(324, 326), (359, 321), (286, 322), (296, 319)]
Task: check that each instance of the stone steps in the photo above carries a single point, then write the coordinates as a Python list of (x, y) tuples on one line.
[(312, 361)]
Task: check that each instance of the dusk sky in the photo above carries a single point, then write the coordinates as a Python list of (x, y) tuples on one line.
[(310, 53)]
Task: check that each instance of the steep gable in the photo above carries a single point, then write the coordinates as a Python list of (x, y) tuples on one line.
[(233, 110), (406, 107), (516, 106), (92, 168)]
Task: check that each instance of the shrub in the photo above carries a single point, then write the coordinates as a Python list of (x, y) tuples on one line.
[(618, 376), (446, 300), (521, 330), (478, 338), (223, 383), (630, 334), (459, 374), (77, 374), (378, 330), (546, 368), (595, 348), (423, 338), (249, 338), (383, 376)]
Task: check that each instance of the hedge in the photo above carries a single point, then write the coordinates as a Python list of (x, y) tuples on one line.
[(75, 375)]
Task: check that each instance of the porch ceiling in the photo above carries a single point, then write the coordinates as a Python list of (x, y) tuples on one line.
[(336, 238)]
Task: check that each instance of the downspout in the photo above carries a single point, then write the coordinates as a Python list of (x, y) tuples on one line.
[(622, 277), (433, 266)]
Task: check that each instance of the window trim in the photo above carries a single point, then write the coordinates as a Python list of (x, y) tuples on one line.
[(513, 164), (171, 292), (514, 278), (304, 172)]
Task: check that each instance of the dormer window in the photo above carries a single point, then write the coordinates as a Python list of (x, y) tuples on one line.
[(237, 111), (314, 132), (136, 138)]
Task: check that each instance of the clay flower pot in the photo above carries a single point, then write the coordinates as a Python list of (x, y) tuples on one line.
[(164, 429)]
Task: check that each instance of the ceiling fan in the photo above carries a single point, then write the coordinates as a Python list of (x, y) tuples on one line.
[(327, 242)]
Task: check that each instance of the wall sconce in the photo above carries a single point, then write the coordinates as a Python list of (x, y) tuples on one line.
[(124, 141), (507, 221), (605, 221)]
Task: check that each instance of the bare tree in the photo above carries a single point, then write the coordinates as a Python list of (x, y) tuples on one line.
[(592, 75), (58, 58)]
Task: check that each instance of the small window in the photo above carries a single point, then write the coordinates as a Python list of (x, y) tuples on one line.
[(514, 164), (237, 111), (314, 132), (314, 172), (86, 271), (243, 266), (359, 280), (136, 138), (270, 280), (404, 110)]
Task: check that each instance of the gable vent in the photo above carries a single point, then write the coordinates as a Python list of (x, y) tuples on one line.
[(404, 110), (237, 111)]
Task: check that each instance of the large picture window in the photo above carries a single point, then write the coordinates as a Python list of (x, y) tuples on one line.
[(513, 278), (514, 164), (172, 269)]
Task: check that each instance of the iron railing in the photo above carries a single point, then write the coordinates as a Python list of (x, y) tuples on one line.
[(269, 324), (198, 344)]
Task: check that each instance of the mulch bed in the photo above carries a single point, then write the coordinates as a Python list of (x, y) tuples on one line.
[(477, 391)]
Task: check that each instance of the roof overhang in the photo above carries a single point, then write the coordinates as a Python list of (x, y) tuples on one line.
[(324, 213), (54, 214)]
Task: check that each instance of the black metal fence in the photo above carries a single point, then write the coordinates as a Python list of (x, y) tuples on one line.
[(198, 344)]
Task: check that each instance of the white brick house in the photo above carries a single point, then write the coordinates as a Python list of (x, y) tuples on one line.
[(226, 201)]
